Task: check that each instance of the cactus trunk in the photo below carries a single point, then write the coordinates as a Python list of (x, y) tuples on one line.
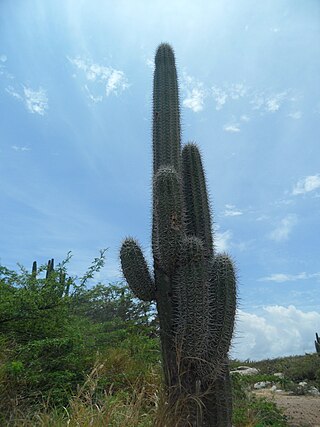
[(194, 289)]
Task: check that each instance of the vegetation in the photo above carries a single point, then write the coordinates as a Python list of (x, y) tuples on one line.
[(89, 356), (194, 288)]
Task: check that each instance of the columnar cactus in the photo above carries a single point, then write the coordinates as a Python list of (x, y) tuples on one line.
[(194, 288), (317, 344)]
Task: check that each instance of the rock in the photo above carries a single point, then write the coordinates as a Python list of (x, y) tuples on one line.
[(303, 384), (273, 388), (245, 370), (314, 391), (260, 385), (279, 375)]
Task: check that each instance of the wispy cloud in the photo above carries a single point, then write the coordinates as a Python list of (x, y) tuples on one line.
[(278, 331), (93, 98), (220, 96), (20, 148), (307, 184), (274, 102), (195, 93), (13, 92), (36, 101), (296, 115), (223, 240), (283, 277), (231, 210), (232, 128), (270, 102), (3, 57), (231, 91), (112, 81), (283, 230)]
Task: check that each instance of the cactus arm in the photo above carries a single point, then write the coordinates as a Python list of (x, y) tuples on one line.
[(166, 111), (50, 267), (136, 271), (198, 218), (34, 269), (168, 212), (222, 300)]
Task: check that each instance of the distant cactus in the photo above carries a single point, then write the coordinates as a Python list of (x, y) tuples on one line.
[(194, 288), (59, 279), (317, 344)]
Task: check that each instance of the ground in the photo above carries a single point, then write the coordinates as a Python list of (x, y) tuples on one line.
[(302, 411)]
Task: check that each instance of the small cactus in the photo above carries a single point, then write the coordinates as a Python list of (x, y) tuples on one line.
[(194, 288), (61, 284)]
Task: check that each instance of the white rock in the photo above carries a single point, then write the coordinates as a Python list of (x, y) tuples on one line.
[(313, 391), (303, 384), (260, 385), (273, 388), (279, 375), (245, 370)]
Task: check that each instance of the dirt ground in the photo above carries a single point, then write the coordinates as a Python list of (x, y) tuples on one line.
[(302, 411)]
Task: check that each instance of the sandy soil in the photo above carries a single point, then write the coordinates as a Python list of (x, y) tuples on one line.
[(302, 411)]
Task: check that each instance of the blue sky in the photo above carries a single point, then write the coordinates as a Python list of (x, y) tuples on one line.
[(75, 146)]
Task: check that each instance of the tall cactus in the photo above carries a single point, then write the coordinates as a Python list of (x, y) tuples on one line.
[(194, 288), (317, 344)]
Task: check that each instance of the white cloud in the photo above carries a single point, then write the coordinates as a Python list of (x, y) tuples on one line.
[(220, 96), (232, 211), (237, 90), (257, 100), (36, 101), (195, 100), (112, 81), (150, 63), (20, 148), (3, 58), (195, 93), (282, 277), (93, 98), (296, 115), (279, 331), (307, 184), (245, 118), (273, 103), (223, 240), (233, 128), (232, 91), (11, 91), (285, 227), (116, 81)]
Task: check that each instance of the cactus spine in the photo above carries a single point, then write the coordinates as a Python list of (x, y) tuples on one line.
[(194, 288)]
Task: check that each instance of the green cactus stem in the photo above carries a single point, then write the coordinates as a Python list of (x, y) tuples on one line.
[(194, 289), (317, 344)]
